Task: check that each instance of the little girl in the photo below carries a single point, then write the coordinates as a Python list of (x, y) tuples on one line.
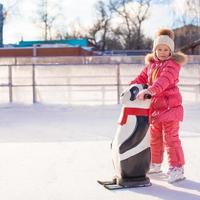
[(162, 75)]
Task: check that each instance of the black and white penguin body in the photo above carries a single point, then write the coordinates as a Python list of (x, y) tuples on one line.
[(131, 145)]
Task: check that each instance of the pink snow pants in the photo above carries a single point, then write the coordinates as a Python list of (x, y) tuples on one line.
[(165, 135)]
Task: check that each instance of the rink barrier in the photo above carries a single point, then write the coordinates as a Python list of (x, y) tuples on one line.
[(190, 83)]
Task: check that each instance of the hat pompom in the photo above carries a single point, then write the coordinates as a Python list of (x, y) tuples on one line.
[(167, 32)]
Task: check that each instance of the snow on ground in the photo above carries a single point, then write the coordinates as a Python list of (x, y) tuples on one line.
[(58, 152)]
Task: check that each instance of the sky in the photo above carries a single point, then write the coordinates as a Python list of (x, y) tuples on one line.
[(22, 24)]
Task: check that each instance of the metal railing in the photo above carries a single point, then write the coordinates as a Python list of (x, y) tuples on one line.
[(84, 84)]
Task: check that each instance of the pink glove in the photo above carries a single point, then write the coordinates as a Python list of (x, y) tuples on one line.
[(142, 93)]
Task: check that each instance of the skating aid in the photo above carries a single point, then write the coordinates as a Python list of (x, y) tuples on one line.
[(131, 147)]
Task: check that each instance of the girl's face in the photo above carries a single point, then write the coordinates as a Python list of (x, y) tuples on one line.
[(163, 52)]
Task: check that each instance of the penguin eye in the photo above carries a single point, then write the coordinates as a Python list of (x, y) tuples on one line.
[(134, 91)]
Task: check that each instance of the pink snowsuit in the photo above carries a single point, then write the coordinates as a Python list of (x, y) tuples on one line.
[(166, 109)]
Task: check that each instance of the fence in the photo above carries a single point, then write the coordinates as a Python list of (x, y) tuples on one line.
[(80, 83)]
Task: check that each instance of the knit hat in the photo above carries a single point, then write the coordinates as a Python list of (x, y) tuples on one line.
[(164, 36)]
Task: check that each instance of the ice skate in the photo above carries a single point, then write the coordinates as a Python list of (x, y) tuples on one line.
[(169, 170), (176, 174), (155, 168)]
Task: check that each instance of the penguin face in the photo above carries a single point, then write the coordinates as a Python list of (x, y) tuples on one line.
[(130, 93), (128, 97)]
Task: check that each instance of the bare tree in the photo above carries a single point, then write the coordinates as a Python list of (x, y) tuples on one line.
[(133, 14), (7, 9), (191, 47), (47, 15), (108, 33), (76, 31), (188, 22), (186, 12), (99, 31), (141, 16), (120, 8)]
